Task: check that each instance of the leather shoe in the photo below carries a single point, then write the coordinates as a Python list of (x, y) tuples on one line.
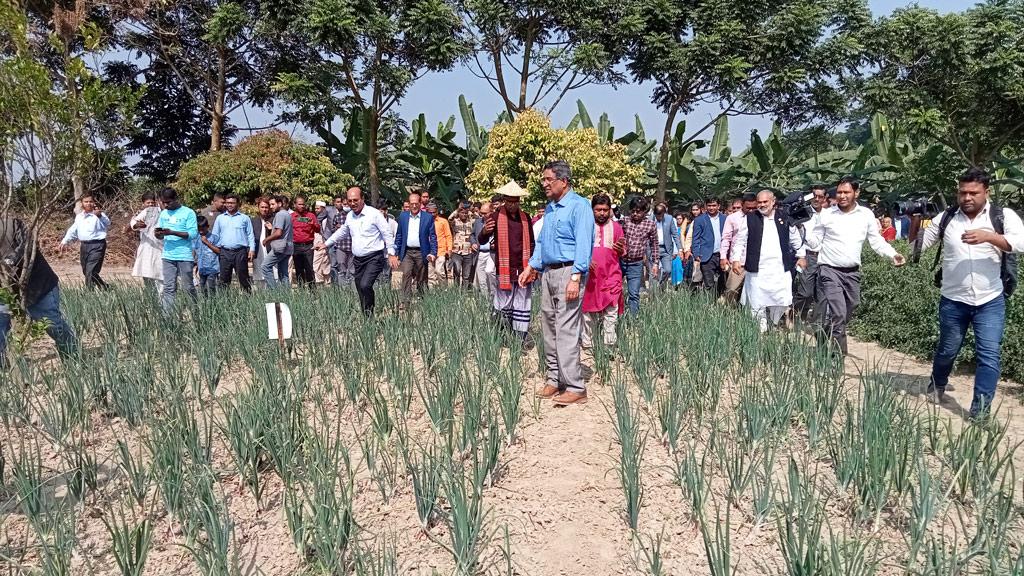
[(548, 391), (566, 398)]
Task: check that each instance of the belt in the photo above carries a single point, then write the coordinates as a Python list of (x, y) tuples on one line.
[(811, 252), (846, 269), (233, 248), (630, 260), (557, 266), (93, 241), (310, 243)]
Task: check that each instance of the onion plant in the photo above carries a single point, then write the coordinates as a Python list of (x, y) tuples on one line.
[(632, 441), (717, 542), (135, 470), (130, 543)]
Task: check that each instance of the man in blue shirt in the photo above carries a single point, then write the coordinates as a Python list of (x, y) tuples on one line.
[(236, 241), (90, 229), (177, 227), (563, 255)]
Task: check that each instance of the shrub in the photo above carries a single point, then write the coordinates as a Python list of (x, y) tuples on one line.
[(265, 163), (518, 151), (899, 310)]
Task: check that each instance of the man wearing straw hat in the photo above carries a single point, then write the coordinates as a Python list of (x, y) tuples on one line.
[(510, 233), (563, 254)]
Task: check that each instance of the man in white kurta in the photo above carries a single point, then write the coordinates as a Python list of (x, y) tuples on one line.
[(768, 291)]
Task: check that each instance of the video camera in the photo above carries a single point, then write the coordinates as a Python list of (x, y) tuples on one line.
[(920, 205), (797, 207)]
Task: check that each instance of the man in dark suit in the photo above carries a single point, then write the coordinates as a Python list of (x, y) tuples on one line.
[(707, 242), (415, 248)]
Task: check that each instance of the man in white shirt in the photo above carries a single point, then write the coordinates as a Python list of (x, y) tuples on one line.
[(976, 238), (90, 229), (839, 236), (371, 238)]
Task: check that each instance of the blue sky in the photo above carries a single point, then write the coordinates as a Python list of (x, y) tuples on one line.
[(436, 95)]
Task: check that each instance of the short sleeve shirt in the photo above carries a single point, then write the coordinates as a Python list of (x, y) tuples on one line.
[(283, 245)]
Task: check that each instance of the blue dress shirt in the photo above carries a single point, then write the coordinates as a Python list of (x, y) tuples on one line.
[(233, 231), (207, 262), (567, 235)]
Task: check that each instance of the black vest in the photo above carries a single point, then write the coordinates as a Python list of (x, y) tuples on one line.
[(755, 231)]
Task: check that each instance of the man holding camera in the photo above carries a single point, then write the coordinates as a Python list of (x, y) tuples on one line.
[(804, 295), (838, 237), (976, 241)]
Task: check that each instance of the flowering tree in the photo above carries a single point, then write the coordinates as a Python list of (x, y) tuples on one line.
[(518, 151)]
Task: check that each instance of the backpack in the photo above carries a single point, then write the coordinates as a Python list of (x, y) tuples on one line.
[(1008, 265)]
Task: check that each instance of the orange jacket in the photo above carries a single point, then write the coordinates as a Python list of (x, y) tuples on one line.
[(445, 243)]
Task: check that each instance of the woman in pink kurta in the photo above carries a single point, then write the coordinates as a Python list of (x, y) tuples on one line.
[(603, 299)]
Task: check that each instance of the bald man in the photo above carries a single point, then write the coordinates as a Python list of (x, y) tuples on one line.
[(768, 249)]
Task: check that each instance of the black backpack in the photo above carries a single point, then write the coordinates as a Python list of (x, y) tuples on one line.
[(1009, 265)]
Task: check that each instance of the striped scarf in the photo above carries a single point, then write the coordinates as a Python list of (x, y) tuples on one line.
[(504, 257)]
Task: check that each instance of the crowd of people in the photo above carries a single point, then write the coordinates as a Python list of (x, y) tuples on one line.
[(589, 262)]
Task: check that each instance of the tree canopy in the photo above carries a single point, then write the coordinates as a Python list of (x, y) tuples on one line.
[(518, 151), (957, 78)]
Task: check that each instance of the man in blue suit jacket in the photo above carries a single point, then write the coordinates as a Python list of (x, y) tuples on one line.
[(707, 242), (670, 245), (415, 248)]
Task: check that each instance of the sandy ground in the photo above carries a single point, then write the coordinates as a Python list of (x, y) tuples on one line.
[(559, 498)]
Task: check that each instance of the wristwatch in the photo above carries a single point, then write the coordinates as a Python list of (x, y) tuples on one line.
[(575, 277)]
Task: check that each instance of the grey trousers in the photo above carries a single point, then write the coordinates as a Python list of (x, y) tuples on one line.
[(342, 269), (804, 296), (463, 269), (174, 269), (838, 293), (561, 324)]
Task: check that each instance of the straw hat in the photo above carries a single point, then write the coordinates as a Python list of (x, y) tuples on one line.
[(511, 189)]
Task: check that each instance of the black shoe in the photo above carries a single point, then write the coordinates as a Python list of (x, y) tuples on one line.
[(935, 395)]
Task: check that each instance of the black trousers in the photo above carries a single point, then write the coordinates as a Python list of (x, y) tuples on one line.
[(712, 273), (805, 296), (303, 260), (367, 269), (91, 255), (235, 260)]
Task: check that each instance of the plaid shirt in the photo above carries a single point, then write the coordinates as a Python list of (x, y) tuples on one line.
[(345, 244), (640, 236)]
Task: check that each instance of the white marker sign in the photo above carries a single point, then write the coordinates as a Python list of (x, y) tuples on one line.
[(279, 316)]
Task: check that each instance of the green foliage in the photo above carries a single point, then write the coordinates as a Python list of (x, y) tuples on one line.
[(59, 121), (266, 163), (519, 150), (364, 56), (534, 51), (955, 77), (899, 310)]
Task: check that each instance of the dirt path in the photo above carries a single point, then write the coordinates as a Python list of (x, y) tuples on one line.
[(911, 375)]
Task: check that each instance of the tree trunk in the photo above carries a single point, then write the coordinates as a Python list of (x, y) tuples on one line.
[(372, 125), (666, 142), (217, 118), (216, 128)]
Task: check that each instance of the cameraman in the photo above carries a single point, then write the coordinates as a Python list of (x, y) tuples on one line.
[(803, 299), (974, 238), (838, 236)]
